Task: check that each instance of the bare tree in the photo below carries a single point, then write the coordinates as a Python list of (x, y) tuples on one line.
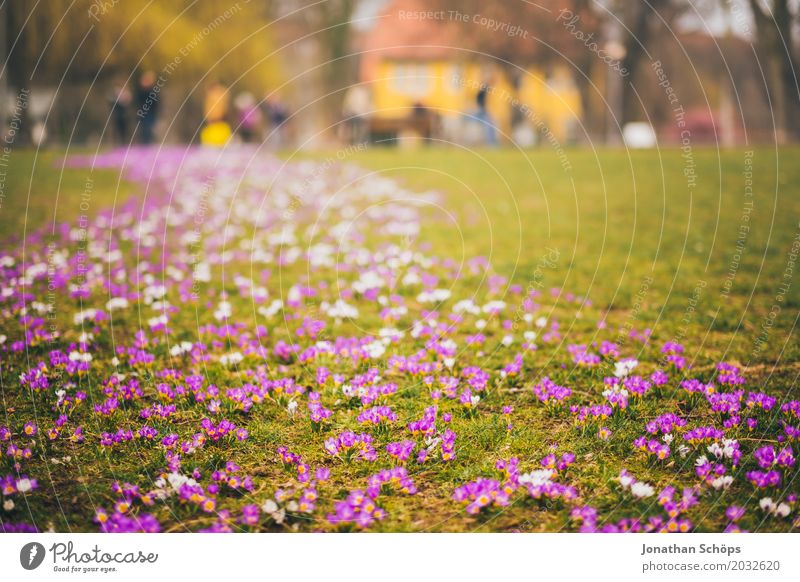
[(641, 22), (774, 21)]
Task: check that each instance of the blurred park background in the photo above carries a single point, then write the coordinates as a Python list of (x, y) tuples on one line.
[(309, 74), (519, 117)]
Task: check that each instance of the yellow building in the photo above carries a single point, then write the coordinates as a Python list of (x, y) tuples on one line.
[(408, 65)]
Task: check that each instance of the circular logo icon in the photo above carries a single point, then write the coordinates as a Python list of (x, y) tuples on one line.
[(31, 555)]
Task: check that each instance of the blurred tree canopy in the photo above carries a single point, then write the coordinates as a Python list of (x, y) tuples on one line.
[(88, 39)]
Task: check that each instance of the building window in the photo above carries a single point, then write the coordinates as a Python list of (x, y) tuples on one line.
[(412, 79), (457, 80)]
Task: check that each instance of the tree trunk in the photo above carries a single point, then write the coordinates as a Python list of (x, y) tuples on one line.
[(775, 48)]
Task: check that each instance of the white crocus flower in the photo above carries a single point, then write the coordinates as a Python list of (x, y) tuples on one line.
[(642, 490)]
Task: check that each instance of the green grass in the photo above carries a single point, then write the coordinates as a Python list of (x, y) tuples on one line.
[(627, 230), (615, 219), (618, 218), (40, 190)]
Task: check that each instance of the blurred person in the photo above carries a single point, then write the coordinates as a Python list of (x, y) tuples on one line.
[(215, 104), (216, 134), (216, 129), (522, 131), (120, 100), (248, 116), (355, 112), (423, 120), (481, 99), (278, 115), (147, 100)]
